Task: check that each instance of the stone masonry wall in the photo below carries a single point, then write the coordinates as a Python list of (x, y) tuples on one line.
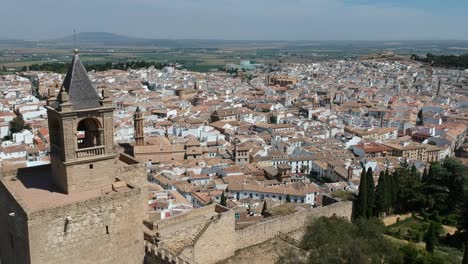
[(106, 229), (14, 245), (90, 174), (220, 240), (266, 230), (218, 237)]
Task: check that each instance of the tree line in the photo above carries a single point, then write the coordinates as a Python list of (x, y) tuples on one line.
[(439, 195), (440, 188), (448, 61), (58, 67), (336, 240)]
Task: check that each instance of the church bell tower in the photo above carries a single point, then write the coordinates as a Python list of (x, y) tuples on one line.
[(81, 130), (138, 127)]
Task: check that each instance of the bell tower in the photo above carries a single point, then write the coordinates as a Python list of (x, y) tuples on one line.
[(81, 133), (138, 127)]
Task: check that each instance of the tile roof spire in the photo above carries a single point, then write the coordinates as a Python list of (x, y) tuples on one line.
[(77, 84)]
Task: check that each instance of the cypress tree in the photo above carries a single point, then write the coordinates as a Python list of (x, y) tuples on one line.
[(420, 120), (381, 195), (414, 173), (370, 193), (430, 174), (430, 238), (361, 208), (223, 200), (424, 175), (388, 191), (264, 209), (393, 187), (465, 226)]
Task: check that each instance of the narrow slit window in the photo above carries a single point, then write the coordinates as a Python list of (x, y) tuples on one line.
[(107, 230)]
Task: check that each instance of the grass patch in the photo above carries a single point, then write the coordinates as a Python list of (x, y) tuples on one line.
[(284, 209), (411, 229), (344, 195)]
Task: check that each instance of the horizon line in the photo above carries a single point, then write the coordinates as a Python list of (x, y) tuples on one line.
[(225, 39)]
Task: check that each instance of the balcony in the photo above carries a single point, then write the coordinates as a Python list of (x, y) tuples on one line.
[(90, 152)]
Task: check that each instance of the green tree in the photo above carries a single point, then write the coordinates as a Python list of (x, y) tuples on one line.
[(435, 189), (288, 198), (18, 125), (336, 240), (264, 209), (455, 183), (420, 121), (424, 175), (382, 194), (391, 190), (370, 193), (410, 253), (223, 200), (273, 119), (361, 206), (409, 198), (464, 226), (430, 238)]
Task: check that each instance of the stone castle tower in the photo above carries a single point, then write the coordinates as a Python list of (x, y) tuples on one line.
[(88, 204), (138, 127), (81, 133)]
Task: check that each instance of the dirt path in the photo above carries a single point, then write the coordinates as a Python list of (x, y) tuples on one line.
[(449, 229), (390, 220)]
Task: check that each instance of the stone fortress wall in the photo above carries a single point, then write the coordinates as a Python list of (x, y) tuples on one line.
[(264, 231), (12, 228), (220, 240), (102, 229), (72, 233)]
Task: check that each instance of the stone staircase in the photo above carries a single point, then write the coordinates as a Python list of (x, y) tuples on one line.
[(200, 232), (290, 240)]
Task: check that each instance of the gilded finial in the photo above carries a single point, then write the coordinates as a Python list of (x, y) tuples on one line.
[(76, 51)]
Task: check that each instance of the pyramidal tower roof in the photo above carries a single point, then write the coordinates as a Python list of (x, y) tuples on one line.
[(79, 87)]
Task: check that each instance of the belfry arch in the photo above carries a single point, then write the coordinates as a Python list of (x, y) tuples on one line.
[(89, 133)]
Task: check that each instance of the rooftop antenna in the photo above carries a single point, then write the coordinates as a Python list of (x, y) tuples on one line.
[(76, 48)]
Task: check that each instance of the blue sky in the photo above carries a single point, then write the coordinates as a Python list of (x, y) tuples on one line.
[(239, 19)]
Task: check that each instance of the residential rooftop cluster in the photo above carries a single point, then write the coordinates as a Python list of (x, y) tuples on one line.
[(294, 133)]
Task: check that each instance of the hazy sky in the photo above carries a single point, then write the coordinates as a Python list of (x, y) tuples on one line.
[(239, 19)]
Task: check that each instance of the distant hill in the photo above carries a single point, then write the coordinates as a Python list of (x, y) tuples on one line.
[(98, 38), (94, 39)]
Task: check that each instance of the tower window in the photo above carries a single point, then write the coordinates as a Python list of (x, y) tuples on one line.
[(91, 166), (107, 230)]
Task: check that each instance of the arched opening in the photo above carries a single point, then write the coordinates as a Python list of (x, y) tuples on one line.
[(88, 133)]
